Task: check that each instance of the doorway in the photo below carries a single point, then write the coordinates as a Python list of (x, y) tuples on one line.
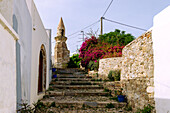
[(42, 70)]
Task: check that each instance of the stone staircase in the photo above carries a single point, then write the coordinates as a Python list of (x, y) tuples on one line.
[(77, 93)]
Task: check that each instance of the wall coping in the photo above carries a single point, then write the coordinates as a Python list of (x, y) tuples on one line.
[(150, 30), (8, 27), (110, 58)]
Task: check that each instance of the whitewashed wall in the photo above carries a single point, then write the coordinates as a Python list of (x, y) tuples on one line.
[(24, 23), (7, 67), (161, 46), (6, 9), (39, 37)]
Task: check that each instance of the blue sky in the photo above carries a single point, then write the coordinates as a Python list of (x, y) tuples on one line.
[(78, 14)]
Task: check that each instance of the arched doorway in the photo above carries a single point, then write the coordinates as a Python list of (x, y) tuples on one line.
[(42, 70)]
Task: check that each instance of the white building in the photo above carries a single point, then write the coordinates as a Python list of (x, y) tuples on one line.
[(25, 54)]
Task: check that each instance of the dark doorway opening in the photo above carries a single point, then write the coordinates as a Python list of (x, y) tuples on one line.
[(40, 78), (42, 70)]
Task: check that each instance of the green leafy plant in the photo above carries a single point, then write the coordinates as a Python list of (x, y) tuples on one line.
[(146, 109), (114, 98), (117, 75), (93, 65), (25, 108), (53, 104), (106, 90), (116, 37), (39, 107), (74, 61), (110, 105), (128, 108), (114, 75), (110, 76)]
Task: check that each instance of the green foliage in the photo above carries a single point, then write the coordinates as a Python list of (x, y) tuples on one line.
[(128, 108), (110, 76), (106, 90), (53, 104), (146, 109), (39, 107), (25, 108), (74, 61), (96, 79), (110, 105), (114, 75), (114, 98), (116, 38), (93, 65), (105, 46)]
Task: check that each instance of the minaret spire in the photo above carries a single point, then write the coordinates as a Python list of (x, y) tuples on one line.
[(61, 28)]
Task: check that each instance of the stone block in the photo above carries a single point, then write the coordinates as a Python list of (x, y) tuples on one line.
[(150, 89)]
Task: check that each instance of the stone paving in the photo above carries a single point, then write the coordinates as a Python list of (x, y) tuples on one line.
[(76, 93)]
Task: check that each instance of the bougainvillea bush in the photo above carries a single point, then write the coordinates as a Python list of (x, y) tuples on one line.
[(93, 49)]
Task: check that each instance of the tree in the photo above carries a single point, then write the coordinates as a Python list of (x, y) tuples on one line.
[(116, 38)]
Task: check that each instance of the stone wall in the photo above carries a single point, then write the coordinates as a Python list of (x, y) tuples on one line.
[(105, 65), (137, 71)]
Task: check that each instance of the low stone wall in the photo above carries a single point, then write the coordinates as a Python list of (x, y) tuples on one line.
[(105, 65), (137, 72)]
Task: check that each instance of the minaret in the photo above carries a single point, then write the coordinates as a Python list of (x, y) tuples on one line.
[(61, 53)]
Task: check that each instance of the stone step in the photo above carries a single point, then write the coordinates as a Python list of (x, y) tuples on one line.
[(80, 98), (72, 76), (76, 87), (74, 109), (80, 104), (75, 83), (53, 94), (73, 79)]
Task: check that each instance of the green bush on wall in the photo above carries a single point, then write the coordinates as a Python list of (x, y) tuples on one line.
[(114, 75), (93, 65)]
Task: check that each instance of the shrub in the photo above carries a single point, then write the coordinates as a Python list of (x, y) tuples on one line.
[(110, 105), (117, 75), (110, 76), (74, 61), (93, 49), (114, 75), (93, 65), (146, 109), (106, 46)]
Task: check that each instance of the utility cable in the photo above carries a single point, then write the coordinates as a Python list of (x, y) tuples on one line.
[(107, 8), (84, 28), (125, 24)]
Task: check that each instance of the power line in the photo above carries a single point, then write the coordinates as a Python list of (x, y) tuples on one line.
[(107, 8), (84, 28), (125, 24)]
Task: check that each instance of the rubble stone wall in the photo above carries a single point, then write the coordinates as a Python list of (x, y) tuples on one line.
[(137, 74), (107, 64)]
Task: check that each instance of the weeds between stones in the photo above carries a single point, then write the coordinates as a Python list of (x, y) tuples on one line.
[(110, 105)]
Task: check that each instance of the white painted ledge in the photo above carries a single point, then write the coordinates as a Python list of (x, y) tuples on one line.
[(7, 26)]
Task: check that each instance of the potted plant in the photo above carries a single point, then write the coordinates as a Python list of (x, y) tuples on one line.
[(55, 76), (53, 69), (120, 96)]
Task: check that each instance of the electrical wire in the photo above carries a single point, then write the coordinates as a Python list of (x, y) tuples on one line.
[(83, 28), (107, 8), (125, 24)]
